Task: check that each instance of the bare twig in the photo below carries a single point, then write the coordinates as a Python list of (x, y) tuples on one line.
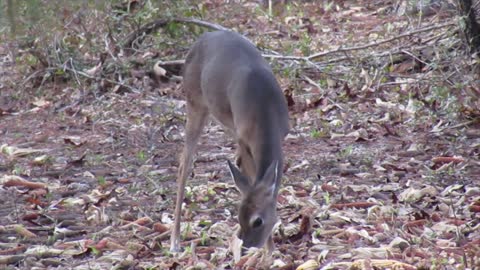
[(143, 30), (209, 25), (75, 73), (35, 74), (106, 40), (171, 62), (286, 57), (133, 89)]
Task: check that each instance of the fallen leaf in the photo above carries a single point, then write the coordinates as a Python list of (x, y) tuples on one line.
[(341, 206), (15, 152), (17, 181), (308, 265)]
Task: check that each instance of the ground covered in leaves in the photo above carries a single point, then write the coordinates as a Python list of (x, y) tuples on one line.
[(382, 162)]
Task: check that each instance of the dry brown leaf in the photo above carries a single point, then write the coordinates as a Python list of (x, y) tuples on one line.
[(382, 264), (17, 181), (454, 159), (14, 152), (371, 252), (413, 195), (41, 103), (159, 227), (74, 140), (341, 206), (24, 232), (235, 245), (94, 70), (308, 265)]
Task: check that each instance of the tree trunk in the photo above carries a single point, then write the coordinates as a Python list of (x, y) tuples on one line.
[(472, 27), (11, 18)]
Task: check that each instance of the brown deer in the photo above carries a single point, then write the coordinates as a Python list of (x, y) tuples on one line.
[(226, 76)]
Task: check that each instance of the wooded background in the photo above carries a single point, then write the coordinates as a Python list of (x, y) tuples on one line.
[(382, 163)]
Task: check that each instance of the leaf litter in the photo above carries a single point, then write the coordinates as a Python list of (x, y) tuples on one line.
[(376, 177)]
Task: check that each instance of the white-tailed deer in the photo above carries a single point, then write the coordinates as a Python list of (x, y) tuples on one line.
[(226, 76)]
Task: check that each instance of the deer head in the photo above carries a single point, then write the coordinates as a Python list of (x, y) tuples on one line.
[(257, 213)]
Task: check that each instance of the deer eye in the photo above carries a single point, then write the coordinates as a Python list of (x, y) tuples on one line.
[(257, 223)]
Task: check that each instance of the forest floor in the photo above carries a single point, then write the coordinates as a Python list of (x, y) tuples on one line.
[(382, 166)]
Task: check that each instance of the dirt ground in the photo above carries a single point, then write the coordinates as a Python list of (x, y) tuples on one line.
[(379, 174)]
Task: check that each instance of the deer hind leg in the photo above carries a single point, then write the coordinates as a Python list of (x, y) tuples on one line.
[(196, 118)]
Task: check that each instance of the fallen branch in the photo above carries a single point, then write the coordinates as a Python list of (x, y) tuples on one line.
[(153, 26), (149, 27), (360, 47), (374, 44)]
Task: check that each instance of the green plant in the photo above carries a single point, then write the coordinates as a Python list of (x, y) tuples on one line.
[(96, 159), (188, 250), (95, 251), (187, 230), (51, 239), (18, 170), (326, 197), (305, 44), (49, 196), (318, 232), (203, 238), (315, 133), (327, 6)]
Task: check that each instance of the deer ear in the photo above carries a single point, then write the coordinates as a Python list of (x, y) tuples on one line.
[(270, 179), (240, 180)]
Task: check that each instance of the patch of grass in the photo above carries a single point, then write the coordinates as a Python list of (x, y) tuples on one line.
[(444, 101), (166, 253), (95, 160), (141, 156), (188, 250), (188, 229), (188, 193), (101, 180), (345, 152), (327, 6), (205, 223), (365, 162), (439, 263), (211, 192), (322, 131)]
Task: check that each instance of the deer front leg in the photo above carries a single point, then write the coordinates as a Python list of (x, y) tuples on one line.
[(196, 117)]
